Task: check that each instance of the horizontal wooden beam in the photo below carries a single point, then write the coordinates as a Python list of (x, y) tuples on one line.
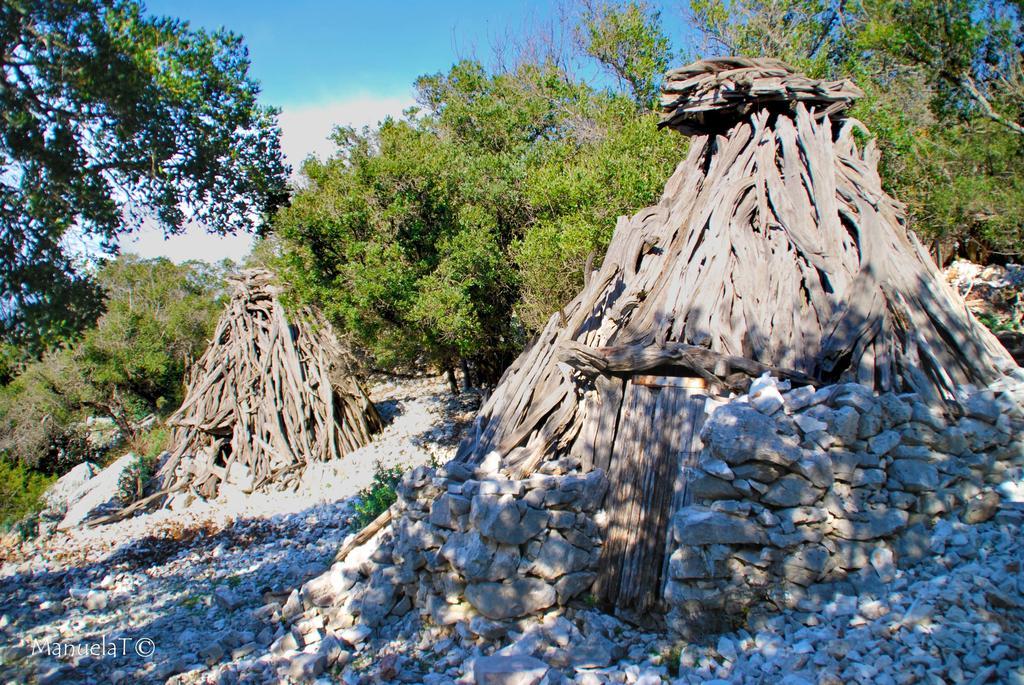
[(714, 367)]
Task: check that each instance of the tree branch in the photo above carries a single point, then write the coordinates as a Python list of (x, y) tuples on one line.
[(986, 107)]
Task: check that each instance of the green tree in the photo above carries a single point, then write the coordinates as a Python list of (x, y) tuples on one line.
[(615, 164), (158, 317), (970, 52), (628, 39), (955, 157), (943, 98), (403, 237), (804, 33), (21, 493), (111, 117), (443, 237)]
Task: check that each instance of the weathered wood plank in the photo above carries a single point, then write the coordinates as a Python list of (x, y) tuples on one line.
[(647, 467)]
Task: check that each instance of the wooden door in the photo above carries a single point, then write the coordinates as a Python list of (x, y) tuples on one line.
[(655, 442)]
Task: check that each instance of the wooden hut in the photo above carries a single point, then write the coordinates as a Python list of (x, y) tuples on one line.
[(267, 397), (773, 246)]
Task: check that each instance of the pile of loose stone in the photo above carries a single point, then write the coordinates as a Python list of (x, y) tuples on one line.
[(510, 547), (800, 496), (469, 548), (809, 486), (954, 617)]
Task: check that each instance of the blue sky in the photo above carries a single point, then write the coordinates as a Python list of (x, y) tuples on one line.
[(308, 52), (352, 63)]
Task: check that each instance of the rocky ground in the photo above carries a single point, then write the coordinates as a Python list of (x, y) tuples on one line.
[(955, 619), (996, 294), (197, 596), (192, 581)]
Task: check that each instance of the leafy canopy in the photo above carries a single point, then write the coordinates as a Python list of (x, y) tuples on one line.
[(158, 317), (21, 493), (627, 39), (444, 236), (944, 96), (111, 117)]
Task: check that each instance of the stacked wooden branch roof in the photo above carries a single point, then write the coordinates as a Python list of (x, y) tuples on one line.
[(773, 245), (267, 397), (711, 95)]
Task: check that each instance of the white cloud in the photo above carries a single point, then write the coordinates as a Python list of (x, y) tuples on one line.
[(194, 243), (304, 131)]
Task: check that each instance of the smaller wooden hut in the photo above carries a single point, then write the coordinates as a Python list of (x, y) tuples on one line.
[(266, 398)]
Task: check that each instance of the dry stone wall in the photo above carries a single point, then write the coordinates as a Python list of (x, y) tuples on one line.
[(466, 547), (794, 491), (806, 487)]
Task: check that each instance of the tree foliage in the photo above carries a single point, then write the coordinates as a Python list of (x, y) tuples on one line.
[(111, 117), (956, 159), (446, 235), (968, 51), (628, 40), (944, 96), (21, 493), (443, 236), (803, 33), (158, 317)]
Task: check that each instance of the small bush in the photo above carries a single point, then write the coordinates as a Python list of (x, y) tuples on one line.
[(132, 484), (671, 659), (151, 442), (1000, 324), (21, 492), (375, 499), (148, 445)]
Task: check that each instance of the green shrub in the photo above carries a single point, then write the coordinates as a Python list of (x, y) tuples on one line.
[(147, 445), (159, 315), (375, 499), (1000, 324), (132, 484), (21, 492), (152, 441), (447, 236)]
